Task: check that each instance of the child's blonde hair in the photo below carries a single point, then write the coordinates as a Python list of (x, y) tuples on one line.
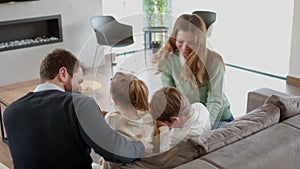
[(168, 102), (128, 90)]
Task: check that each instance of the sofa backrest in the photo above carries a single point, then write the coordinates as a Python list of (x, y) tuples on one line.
[(179, 154), (253, 122)]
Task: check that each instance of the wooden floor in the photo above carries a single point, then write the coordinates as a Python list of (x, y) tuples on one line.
[(237, 84), (5, 156)]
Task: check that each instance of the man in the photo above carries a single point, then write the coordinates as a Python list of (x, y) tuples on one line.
[(54, 127)]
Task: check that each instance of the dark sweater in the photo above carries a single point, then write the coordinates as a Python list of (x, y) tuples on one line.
[(55, 129)]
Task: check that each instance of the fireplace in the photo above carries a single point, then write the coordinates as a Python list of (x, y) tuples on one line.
[(23, 33)]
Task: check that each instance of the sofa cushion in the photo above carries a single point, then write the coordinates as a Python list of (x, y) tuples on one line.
[(293, 121), (179, 154), (253, 122), (276, 147), (289, 106)]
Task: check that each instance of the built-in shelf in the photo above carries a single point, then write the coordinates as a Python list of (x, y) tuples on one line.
[(30, 32)]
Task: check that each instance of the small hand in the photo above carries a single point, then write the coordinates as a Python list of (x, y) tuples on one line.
[(161, 123), (100, 161), (104, 112)]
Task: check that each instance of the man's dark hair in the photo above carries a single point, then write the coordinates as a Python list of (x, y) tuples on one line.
[(54, 61)]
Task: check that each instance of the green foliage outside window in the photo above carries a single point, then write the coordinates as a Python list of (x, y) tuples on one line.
[(157, 12)]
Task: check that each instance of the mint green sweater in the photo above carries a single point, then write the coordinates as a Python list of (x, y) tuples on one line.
[(210, 94)]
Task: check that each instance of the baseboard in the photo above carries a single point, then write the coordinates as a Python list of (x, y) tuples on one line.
[(293, 81)]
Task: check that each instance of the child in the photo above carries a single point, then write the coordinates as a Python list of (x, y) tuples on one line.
[(130, 96), (176, 118)]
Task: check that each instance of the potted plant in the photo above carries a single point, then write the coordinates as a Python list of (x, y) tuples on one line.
[(157, 12), (157, 20)]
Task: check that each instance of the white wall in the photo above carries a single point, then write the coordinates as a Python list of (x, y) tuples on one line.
[(23, 64), (294, 69)]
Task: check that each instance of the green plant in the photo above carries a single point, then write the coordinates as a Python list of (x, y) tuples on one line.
[(157, 12)]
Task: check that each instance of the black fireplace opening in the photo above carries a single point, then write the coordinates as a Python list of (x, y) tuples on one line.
[(30, 32)]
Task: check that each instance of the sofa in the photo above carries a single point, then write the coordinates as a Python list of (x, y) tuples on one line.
[(267, 137)]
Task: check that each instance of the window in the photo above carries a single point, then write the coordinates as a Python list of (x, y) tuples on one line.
[(252, 34)]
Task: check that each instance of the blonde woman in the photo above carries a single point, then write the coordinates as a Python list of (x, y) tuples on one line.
[(176, 118), (132, 120), (187, 64)]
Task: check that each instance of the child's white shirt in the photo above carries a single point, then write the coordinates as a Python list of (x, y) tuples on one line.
[(193, 128)]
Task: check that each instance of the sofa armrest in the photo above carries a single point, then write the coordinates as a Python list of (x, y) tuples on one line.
[(289, 106), (258, 97)]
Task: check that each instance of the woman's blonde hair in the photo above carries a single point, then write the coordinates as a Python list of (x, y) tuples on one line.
[(128, 90), (168, 102), (197, 62)]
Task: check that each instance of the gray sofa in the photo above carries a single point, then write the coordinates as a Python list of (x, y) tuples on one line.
[(268, 137)]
